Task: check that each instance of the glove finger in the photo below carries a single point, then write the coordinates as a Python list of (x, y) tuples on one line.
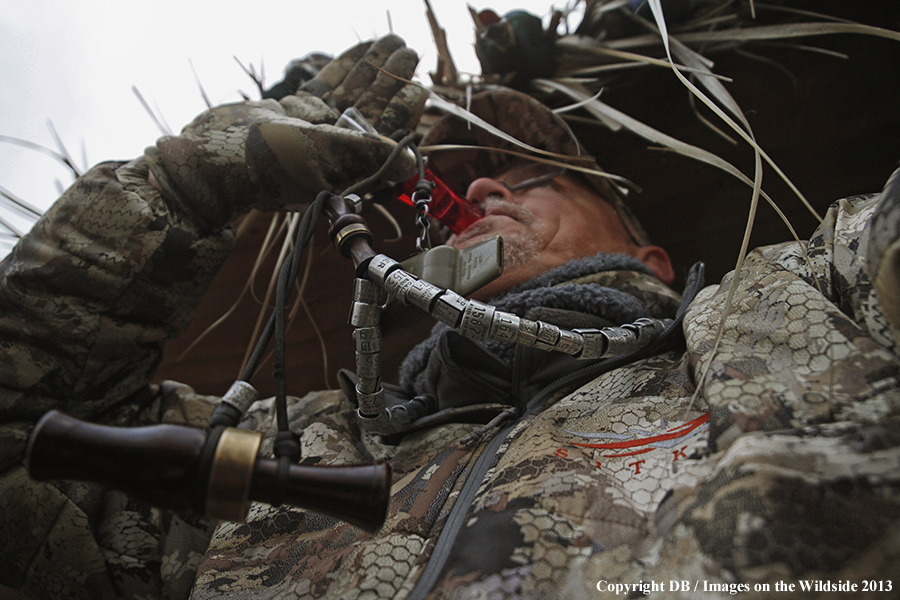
[(404, 109), (334, 72), (402, 63), (309, 108), (206, 166), (320, 157), (363, 74)]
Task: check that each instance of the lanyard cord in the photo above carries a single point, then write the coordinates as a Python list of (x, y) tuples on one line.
[(241, 394), (285, 444)]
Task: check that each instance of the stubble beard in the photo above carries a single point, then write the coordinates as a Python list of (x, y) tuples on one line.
[(520, 247)]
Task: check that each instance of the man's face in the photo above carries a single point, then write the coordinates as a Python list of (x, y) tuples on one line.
[(543, 226)]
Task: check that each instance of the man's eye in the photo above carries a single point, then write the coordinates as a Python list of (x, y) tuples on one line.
[(538, 183)]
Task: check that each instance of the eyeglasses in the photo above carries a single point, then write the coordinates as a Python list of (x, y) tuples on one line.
[(523, 175), (458, 169), (528, 174), (462, 169)]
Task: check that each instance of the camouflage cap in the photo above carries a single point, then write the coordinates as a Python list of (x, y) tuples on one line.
[(531, 122)]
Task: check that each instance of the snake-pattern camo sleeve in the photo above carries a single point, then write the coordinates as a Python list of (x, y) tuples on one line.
[(91, 293)]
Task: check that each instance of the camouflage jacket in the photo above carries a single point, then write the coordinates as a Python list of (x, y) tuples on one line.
[(768, 457), (87, 299), (780, 465)]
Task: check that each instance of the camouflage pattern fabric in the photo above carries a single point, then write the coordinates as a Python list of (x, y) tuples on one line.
[(115, 268), (278, 155), (88, 297), (884, 244), (785, 466)]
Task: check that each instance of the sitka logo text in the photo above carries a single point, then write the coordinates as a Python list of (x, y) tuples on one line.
[(640, 441)]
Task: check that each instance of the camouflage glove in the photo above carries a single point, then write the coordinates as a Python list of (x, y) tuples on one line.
[(278, 155)]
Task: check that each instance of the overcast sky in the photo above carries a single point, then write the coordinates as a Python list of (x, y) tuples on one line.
[(74, 63)]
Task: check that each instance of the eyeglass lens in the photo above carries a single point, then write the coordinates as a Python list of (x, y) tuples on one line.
[(528, 174)]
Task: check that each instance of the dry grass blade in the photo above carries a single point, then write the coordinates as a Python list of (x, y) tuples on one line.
[(763, 32), (591, 74), (203, 94), (759, 154), (579, 47), (804, 48), (724, 97), (709, 124), (787, 31), (800, 12), (549, 161), (384, 212), (278, 227), (448, 107), (19, 205), (62, 149), (60, 157), (293, 221), (768, 61), (301, 303), (604, 111), (158, 120), (15, 231), (610, 124), (598, 108), (272, 233), (258, 79)]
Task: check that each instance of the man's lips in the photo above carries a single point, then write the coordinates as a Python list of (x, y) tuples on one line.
[(497, 206), (494, 206), (486, 225), (500, 213)]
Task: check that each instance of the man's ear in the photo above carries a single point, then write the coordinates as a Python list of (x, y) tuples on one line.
[(658, 260)]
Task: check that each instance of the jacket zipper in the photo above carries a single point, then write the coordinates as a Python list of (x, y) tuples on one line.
[(460, 510)]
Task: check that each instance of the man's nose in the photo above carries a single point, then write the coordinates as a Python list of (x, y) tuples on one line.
[(483, 187)]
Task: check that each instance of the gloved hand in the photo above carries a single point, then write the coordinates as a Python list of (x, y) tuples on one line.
[(278, 155)]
